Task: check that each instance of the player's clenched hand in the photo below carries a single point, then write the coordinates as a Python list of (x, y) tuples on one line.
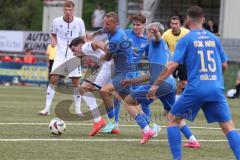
[(154, 29), (125, 83), (152, 92)]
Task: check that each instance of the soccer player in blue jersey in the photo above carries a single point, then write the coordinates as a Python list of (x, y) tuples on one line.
[(205, 60), (138, 39), (158, 56), (119, 49)]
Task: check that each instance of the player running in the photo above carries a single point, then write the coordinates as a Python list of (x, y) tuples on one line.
[(64, 29), (158, 56), (102, 77), (205, 60), (138, 39)]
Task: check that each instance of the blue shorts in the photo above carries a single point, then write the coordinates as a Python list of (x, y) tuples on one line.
[(188, 106), (166, 94), (116, 81)]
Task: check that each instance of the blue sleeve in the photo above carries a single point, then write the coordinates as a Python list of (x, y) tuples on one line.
[(180, 51), (146, 50), (221, 51), (167, 51)]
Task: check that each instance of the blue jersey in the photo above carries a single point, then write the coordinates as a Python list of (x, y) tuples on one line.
[(138, 44), (203, 55), (158, 55), (120, 48)]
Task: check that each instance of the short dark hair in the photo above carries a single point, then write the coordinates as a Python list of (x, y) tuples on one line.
[(76, 41), (69, 3), (113, 15), (195, 12), (139, 17), (176, 18)]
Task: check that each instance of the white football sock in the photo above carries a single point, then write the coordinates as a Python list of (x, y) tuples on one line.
[(192, 138), (146, 129), (77, 99), (49, 97), (92, 104)]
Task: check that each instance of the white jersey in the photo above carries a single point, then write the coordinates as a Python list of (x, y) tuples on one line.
[(88, 50), (65, 33)]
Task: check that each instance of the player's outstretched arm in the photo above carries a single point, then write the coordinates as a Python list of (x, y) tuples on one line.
[(101, 45), (134, 81), (170, 68), (156, 34)]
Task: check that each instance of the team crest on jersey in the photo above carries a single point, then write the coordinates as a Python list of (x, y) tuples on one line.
[(61, 26), (142, 45)]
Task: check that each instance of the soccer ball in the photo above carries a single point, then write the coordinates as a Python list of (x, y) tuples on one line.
[(57, 126), (231, 93)]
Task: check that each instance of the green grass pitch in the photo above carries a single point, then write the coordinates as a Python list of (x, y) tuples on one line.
[(24, 135)]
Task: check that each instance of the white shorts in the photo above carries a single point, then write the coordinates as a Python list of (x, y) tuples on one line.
[(69, 67), (102, 77)]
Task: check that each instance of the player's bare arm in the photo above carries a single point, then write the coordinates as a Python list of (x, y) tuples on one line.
[(134, 81), (224, 66), (53, 39), (101, 45), (170, 68), (156, 34)]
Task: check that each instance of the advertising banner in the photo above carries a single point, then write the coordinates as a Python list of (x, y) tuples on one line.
[(24, 73)]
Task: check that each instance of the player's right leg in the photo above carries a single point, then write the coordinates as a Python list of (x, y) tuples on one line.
[(185, 107), (58, 69), (106, 94), (90, 100), (50, 94)]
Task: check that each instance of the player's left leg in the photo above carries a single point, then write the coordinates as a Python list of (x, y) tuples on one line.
[(74, 73), (142, 120), (233, 137), (219, 112), (76, 95)]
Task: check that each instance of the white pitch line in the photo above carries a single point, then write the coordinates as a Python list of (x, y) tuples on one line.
[(99, 140), (123, 125)]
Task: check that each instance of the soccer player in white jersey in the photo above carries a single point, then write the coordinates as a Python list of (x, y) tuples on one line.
[(103, 77), (64, 30)]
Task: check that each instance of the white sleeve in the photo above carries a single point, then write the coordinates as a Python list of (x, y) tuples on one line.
[(88, 50), (54, 27), (82, 31)]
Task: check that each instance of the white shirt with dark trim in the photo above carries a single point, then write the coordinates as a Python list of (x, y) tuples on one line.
[(65, 33)]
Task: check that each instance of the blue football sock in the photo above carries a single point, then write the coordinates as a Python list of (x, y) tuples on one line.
[(234, 142), (110, 112), (186, 131), (141, 121), (148, 120), (117, 104), (175, 142), (146, 109)]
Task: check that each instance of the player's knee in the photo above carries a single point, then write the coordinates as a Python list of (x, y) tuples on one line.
[(227, 126), (173, 120), (130, 101)]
